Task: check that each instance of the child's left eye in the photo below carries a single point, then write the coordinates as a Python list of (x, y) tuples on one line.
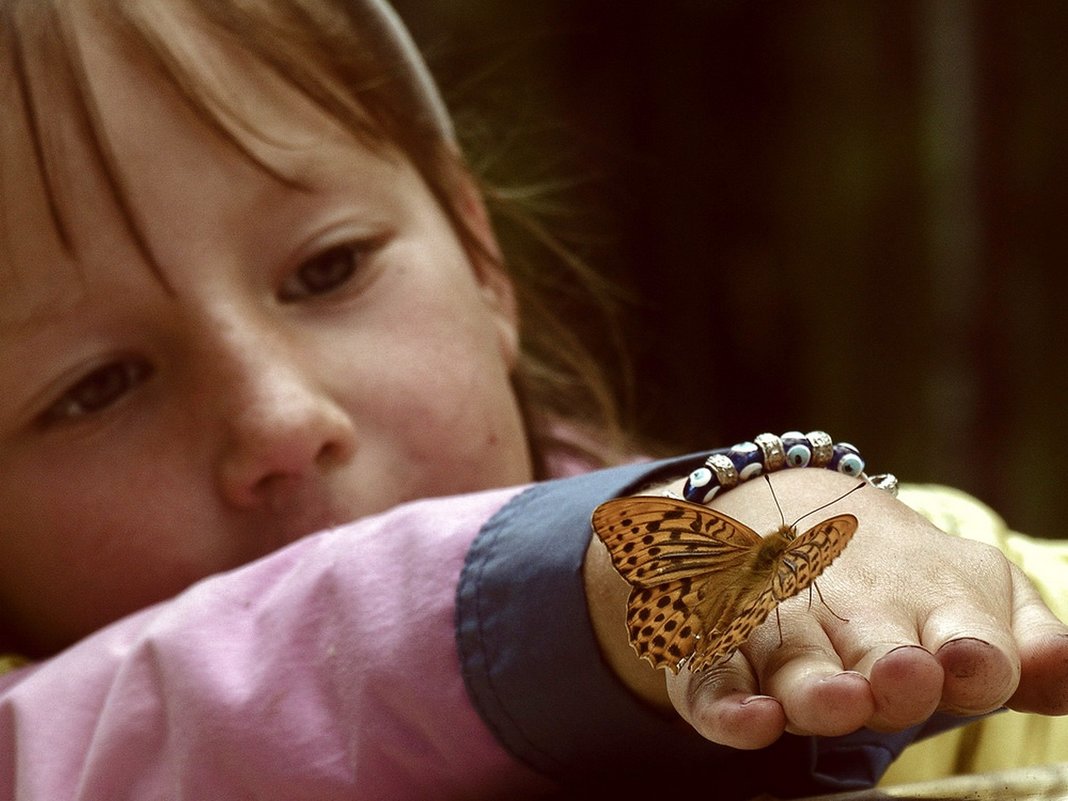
[(322, 273), (98, 390)]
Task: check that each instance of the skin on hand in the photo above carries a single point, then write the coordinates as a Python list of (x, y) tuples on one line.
[(931, 622)]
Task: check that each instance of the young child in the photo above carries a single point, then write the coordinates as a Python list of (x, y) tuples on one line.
[(270, 422)]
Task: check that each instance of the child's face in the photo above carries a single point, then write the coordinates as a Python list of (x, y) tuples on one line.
[(320, 354)]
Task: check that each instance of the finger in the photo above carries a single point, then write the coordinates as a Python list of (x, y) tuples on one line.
[(722, 703), (806, 674), (906, 684), (905, 678), (978, 656), (1042, 642), (970, 633), (979, 677)]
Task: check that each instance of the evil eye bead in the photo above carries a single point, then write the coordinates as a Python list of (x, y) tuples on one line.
[(712, 492), (851, 465), (751, 470), (747, 460), (701, 486), (847, 460), (700, 477), (798, 455)]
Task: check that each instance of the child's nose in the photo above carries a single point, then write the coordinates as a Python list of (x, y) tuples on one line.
[(284, 431)]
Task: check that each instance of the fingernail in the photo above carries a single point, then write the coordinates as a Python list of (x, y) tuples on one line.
[(754, 698), (903, 648), (855, 673), (960, 640)]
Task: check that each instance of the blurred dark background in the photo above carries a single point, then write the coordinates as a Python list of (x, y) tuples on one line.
[(839, 215)]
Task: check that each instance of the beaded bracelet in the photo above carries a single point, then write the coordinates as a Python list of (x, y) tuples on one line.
[(728, 467)]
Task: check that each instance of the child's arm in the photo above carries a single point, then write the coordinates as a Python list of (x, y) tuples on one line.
[(935, 622), (326, 670), (348, 665)]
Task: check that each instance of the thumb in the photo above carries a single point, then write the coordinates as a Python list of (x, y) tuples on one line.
[(722, 704)]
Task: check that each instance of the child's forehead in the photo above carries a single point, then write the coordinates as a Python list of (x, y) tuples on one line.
[(103, 133), (105, 61)]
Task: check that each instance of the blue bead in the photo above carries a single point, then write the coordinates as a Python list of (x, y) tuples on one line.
[(701, 486), (708, 496), (751, 470), (700, 477), (745, 454), (798, 455), (851, 464)]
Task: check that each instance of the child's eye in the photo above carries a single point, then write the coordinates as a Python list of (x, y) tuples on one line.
[(323, 273), (98, 390)]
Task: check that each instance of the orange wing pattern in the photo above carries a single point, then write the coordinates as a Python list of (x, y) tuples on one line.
[(701, 582)]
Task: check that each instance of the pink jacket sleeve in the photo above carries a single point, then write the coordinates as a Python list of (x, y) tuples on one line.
[(319, 672)]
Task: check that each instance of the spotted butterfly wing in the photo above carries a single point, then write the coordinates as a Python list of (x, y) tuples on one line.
[(808, 555), (667, 550), (784, 567), (701, 582)]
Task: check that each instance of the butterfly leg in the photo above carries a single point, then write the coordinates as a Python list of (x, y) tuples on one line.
[(822, 601)]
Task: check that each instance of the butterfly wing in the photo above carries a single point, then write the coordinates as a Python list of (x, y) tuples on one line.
[(741, 618), (654, 540), (684, 562), (807, 556), (703, 619), (795, 568), (663, 622), (697, 590)]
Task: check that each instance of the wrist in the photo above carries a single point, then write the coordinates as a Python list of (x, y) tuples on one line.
[(606, 598)]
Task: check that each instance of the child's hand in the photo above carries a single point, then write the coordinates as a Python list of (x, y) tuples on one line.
[(932, 622)]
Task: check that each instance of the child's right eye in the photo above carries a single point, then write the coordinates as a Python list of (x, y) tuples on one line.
[(324, 273), (98, 390)]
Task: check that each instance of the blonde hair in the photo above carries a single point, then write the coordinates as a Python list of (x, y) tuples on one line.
[(355, 62)]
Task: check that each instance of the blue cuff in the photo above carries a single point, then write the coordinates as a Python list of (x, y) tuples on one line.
[(534, 671)]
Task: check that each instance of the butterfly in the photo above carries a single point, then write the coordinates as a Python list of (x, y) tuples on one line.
[(701, 581)]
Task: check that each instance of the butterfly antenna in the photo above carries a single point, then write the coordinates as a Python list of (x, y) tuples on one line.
[(775, 498), (844, 495)]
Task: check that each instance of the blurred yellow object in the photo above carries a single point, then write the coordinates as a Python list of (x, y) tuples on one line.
[(9, 662)]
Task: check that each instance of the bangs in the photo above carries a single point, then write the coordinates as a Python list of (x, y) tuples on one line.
[(327, 53), (45, 67)]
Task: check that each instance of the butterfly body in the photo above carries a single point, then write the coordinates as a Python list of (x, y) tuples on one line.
[(701, 582)]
